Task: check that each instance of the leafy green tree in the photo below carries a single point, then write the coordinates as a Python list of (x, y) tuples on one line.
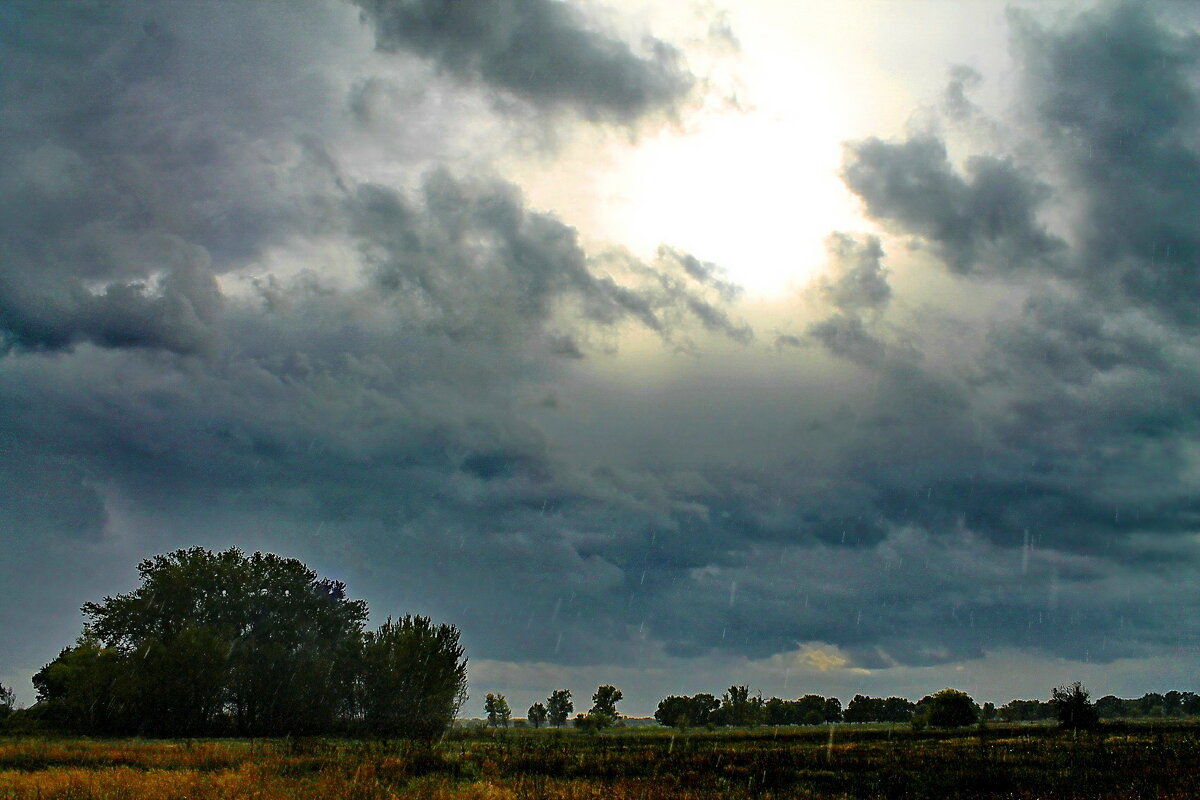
[(559, 707), (1073, 708), (604, 702), (1151, 704), (498, 712), (703, 707), (413, 678), (949, 708), (739, 708), (536, 715), (832, 709), (1110, 706), (593, 721), (87, 689), (260, 635), (674, 712), (179, 686), (861, 709)]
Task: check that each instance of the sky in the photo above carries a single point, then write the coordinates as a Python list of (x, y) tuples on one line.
[(823, 348)]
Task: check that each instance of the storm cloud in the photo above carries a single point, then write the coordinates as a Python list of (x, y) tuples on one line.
[(539, 51), (260, 285)]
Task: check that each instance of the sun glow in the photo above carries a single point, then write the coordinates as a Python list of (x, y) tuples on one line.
[(754, 193), (755, 189)]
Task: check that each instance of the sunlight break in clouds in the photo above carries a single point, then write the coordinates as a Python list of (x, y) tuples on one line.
[(824, 349)]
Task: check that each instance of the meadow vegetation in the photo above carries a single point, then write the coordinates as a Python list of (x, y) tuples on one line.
[(1126, 760)]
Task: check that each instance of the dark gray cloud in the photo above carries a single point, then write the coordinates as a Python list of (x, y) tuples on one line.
[(540, 51), (374, 405), (219, 332), (985, 220), (479, 264), (856, 286), (1116, 98), (143, 161)]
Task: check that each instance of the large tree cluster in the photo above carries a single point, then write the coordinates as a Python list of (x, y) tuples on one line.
[(215, 643)]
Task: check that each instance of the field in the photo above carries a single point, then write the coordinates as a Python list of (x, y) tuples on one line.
[(847, 761)]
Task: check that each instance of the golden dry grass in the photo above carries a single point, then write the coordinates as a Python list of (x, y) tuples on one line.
[(1017, 763)]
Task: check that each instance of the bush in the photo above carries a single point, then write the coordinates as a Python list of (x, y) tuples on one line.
[(949, 708), (1073, 708)]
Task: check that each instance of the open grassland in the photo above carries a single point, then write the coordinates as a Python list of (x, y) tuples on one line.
[(857, 762)]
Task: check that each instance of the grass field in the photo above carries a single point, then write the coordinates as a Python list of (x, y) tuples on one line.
[(1130, 761)]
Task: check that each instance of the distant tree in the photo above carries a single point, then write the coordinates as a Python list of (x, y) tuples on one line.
[(1111, 707), (988, 712), (1150, 704), (674, 712), (413, 679), (688, 711), (878, 709), (1072, 707), (861, 709), (536, 715), (949, 708), (812, 709), (1025, 711), (832, 710), (498, 712), (8, 701), (559, 707), (739, 708), (703, 706), (682, 712), (605, 700), (587, 723)]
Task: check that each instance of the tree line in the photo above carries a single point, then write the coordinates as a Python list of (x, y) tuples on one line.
[(558, 708), (736, 707), (1071, 705), (229, 644)]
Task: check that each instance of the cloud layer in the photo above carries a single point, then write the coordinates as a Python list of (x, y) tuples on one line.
[(228, 319)]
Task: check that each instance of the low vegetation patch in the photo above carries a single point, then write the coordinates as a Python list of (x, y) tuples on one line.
[(842, 761)]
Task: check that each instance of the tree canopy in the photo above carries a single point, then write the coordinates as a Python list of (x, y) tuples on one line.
[(1073, 707), (216, 642), (949, 708)]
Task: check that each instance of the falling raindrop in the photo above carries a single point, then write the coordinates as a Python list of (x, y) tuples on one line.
[(732, 593)]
